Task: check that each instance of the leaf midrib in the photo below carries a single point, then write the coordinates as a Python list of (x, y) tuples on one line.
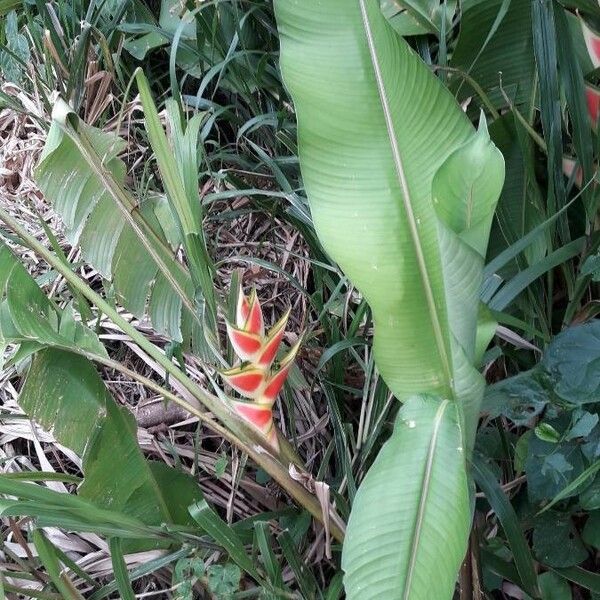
[(407, 201)]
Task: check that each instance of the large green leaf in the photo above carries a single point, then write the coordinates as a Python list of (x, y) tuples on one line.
[(570, 363), (413, 503), (415, 17), (368, 164), (30, 320), (64, 393), (81, 173), (402, 192), (178, 163)]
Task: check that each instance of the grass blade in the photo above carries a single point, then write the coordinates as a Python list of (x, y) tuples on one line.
[(566, 492), (586, 579), (573, 85), (49, 558), (224, 535), (120, 569), (304, 577), (544, 43), (520, 281), (501, 505), (141, 571)]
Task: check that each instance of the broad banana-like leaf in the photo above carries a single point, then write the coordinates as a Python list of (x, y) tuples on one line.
[(417, 17), (402, 191), (415, 504), (64, 394), (495, 37), (402, 188), (81, 173)]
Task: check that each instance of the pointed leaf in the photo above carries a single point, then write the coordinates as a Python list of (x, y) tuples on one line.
[(28, 318), (64, 394), (413, 501)]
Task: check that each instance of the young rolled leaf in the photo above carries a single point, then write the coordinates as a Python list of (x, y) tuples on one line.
[(402, 191)]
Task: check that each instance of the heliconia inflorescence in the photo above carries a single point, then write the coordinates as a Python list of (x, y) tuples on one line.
[(255, 378)]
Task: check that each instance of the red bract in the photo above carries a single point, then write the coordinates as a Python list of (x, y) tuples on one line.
[(255, 377), (592, 41), (592, 96)]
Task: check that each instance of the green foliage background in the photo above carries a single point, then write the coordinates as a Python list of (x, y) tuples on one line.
[(537, 462)]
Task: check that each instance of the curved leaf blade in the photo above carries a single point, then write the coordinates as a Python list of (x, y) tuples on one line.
[(28, 318), (64, 393), (402, 192), (495, 37), (353, 144), (413, 502), (368, 166), (510, 523)]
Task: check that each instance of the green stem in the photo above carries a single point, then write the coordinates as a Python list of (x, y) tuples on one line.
[(476, 87)]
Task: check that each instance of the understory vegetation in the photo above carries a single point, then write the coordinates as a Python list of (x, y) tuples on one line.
[(299, 299)]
